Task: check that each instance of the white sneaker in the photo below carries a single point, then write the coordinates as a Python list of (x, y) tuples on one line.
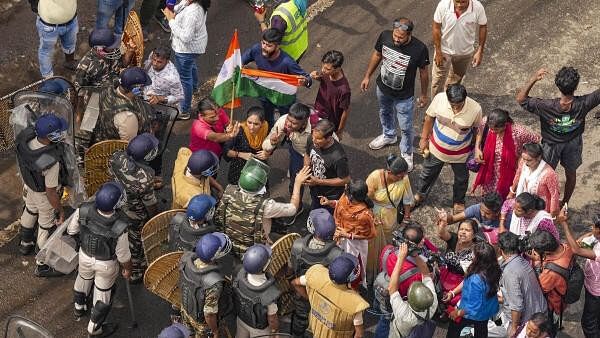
[(409, 160), (381, 141)]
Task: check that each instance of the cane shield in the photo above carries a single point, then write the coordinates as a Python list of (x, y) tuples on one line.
[(96, 163), (133, 38), (155, 235), (282, 249)]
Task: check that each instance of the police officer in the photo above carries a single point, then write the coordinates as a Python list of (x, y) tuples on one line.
[(101, 226), (202, 282), (130, 168), (245, 209), (317, 247), (192, 175), (255, 294), (123, 114), (337, 309), (186, 228), (41, 160)]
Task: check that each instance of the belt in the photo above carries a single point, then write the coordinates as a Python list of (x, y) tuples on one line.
[(60, 24)]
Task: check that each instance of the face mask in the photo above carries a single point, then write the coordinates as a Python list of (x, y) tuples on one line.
[(57, 136), (151, 155), (137, 91)]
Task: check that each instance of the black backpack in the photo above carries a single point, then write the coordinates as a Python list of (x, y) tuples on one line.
[(574, 277)]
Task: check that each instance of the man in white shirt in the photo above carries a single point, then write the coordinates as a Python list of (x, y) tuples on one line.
[(166, 86), (456, 26)]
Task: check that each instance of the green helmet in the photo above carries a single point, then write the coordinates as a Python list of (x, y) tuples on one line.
[(254, 176), (420, 298)]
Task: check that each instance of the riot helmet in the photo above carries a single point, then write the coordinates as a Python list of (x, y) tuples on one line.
[(420, 298), (51, 127), (56, 86), (134, 77), (104, 43), (253, 176), (344, 269), (321, 224), (143, 147), (203, 163), (110, 196), (212, 246), (256, 258), (201, 207)]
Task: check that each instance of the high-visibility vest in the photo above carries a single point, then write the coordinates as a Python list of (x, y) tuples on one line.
[(295, 38)]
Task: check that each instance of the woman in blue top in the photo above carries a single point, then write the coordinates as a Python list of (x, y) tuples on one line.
[(479, 300)]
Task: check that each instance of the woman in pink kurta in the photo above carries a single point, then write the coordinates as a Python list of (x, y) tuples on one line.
[(496, 129)]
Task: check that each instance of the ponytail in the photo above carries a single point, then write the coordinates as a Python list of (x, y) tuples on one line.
[(530, 202)]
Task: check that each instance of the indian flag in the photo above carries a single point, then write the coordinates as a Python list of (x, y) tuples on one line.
[(278, 88), (223, 91)]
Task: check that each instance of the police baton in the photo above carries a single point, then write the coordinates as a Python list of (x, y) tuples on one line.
[(130, 300)]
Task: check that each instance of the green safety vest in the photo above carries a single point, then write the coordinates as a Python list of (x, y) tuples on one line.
[(295, 38)]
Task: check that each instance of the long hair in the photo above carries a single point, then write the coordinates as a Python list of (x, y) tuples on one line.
[(486, 265)]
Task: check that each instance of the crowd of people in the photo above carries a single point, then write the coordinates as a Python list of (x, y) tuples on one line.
[(505, 270)]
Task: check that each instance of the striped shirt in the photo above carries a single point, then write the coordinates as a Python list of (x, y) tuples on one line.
[(188, 29), (452, 133)]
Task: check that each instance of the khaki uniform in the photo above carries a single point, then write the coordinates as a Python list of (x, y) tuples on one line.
[(333, 306), (185, 187)]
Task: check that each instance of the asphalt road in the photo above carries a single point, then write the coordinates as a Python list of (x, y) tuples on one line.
[(523, 35)]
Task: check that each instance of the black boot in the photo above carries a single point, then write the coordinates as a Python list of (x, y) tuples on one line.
[(70, 62), (46, 271), (27, 243), (106, 330)]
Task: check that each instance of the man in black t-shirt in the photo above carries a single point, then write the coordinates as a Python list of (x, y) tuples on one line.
[(562, 121), (328, 162), (402, 54)]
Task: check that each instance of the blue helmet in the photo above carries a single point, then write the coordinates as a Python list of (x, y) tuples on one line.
[(110, 196), (102, 37), (321, 224), (204, 163), (143, 147), (256, 258), (201, 207), (56, 86), (176, 330), (51, 127), (212, 246), (344, 269), (133, 77)]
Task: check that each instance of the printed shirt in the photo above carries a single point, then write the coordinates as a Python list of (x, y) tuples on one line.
[(452, 133), (459, 34), (188, 29), (298, 139), (592, 272), (165, 82)]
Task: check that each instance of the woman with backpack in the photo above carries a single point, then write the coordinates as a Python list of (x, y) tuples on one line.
[(588, 246)]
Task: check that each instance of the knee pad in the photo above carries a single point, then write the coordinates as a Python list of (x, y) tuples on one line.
[(99, 313), (79, 298), (27, 234), (28, 219)]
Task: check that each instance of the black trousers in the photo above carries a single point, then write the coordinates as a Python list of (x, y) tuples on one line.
[(454, 329), (432, 166), (590, 319)]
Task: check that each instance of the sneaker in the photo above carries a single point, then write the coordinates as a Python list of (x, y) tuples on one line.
[(136, 277), (46, 271), (26, 248), (381, 141), (163, 23), (184, 116), (104, 331), (409, 160)]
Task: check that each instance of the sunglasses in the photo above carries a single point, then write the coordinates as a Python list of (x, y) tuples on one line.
[(402, 26)]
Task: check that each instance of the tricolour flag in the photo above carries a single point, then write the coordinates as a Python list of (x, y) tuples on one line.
[(223, 91), (278, 88)]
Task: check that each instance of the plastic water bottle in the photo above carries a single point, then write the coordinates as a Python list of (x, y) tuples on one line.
[(171, 5), (259, 6)]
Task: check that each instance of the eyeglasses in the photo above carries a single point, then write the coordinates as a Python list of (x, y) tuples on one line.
[(402, 26)]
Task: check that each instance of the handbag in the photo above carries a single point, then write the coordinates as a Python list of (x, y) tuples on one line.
[(472, 165), (399, 207)]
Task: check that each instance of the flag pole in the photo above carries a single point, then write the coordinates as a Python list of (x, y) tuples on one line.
[(232, 101)]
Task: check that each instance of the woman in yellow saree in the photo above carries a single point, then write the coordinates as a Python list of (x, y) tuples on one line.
[(388, 189)]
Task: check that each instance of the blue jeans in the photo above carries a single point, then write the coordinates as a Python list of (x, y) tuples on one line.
[(107, 8), (296, 163), (383, 327), (403, 109), (188, 75), (48, 37)]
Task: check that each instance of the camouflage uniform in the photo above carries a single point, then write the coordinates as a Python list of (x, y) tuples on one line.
[(138, 180), (94, 70)]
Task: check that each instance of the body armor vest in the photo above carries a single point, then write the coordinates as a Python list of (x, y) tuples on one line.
[(33, 162), (182, 236), (303, 257), (99, 234), (240, 215), (193, 283), (251, 301), (112, 103)]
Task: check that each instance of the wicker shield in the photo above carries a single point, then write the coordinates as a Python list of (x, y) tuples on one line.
[(96, 163), (162, 277), (133, 38), (282, 250), (155, 235)]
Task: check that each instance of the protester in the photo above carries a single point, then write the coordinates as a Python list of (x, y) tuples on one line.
[(188, 40), (166, 86), (456, 26), (498, 147), (528, 215), (588, 246), (450, 125), (562, 121), (212, 128), (153, 9), (539, 326), (487, 214), (401, 54), (328, 162), (479, 301), (333, 99), (246, 144), (289, 17), (268, 56), (537, 177)]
